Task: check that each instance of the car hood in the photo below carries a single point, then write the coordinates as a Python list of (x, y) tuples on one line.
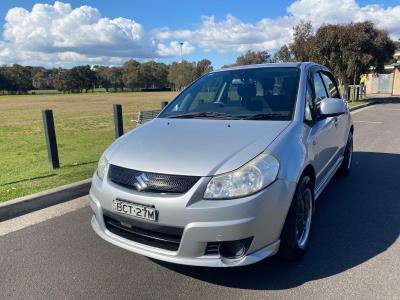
[(196, 147)]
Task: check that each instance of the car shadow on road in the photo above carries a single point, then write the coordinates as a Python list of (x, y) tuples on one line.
[(357, 218)]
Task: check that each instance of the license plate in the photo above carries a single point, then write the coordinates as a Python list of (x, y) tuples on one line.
[(135, 210)]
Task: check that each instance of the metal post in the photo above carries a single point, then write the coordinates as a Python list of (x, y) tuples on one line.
[(348, 93), (51, 141), (118, 123), (164, 104), (358, 93)]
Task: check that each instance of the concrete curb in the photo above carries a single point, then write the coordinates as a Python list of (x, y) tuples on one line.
[(24, 205)]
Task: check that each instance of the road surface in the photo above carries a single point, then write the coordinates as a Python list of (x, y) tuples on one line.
[(354, 251)]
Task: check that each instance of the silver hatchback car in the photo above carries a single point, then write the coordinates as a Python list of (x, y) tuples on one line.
[(229, 171)]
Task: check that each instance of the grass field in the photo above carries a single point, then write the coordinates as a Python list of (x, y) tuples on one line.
[(53, 92), (84, 127), (356, 103)]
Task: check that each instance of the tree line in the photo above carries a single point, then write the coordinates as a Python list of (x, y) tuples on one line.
[(349, 50), (131, 76)]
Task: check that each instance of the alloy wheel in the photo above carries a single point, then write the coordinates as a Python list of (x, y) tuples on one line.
[(304, 216)]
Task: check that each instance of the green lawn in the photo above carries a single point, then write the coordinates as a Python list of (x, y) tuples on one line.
[(52, 92), (356, 103), (84, 127)]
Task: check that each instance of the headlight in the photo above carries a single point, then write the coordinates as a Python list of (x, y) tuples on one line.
[(102, 167), (248, 179)]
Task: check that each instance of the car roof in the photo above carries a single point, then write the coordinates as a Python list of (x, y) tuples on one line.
[(301, 65)]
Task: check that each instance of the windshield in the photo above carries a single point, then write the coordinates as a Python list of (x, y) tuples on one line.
[(254, 94)]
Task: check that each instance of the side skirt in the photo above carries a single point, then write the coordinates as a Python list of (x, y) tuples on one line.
[(324, 182)]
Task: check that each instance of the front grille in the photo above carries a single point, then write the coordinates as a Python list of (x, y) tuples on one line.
[(155, 182), (154, 235), (212, 248)]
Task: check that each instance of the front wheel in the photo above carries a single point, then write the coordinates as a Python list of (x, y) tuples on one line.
[(345, 167), (296, 231)]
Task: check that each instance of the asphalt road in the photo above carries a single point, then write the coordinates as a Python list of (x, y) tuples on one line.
[(354, 253)]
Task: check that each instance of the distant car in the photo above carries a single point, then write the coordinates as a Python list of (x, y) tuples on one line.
[(228, 173)]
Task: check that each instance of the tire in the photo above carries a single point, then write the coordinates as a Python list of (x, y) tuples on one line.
[(345, 167), (293, 241)]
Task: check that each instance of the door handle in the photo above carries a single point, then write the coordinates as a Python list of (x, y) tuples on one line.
[(336, 122)]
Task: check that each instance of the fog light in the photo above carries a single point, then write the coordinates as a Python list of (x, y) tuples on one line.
[(235, 249)]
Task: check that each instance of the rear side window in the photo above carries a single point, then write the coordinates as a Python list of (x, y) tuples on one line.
[(319, 88), (330, 86)]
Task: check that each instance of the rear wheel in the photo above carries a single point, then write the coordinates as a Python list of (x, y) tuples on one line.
[(345, 167), (296, 231)]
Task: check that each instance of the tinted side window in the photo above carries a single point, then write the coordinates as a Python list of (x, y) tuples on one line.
[(319, 88), (308, 111), (330, 86)]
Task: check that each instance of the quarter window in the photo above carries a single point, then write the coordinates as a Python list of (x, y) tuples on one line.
[(330, 86), (319, 88), (308, 116)]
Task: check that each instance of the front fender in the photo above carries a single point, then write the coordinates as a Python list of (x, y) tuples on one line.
[(291, 148)]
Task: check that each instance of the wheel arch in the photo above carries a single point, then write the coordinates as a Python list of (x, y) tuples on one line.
[(310, 171)]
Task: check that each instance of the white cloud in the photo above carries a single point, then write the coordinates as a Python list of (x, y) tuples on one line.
[(61, 35), (232, 34), (69, 35), (174, 49), (343, 11)]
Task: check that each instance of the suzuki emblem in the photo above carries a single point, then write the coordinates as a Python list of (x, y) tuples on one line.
[(140, 183)]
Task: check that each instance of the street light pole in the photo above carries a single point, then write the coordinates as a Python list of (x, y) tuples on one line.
[(181, 44)]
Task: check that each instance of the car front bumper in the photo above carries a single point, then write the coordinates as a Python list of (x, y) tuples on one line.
[(260, 216)]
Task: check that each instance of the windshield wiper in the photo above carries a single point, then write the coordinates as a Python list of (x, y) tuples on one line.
[(213, 115), (267, 116)]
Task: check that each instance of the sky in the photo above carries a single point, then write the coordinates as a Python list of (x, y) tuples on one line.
[(71, 32)]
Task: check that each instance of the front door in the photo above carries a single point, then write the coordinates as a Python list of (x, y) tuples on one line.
[(326, 134)]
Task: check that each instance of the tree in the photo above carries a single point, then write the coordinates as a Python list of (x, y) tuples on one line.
[(82, 78), (349, 50), (161, 75), (102, 76), (130, 74), (397, 44), (115, 76), (283, 54), (202, 67), (394, 60), (253, 57), (181, 74), (4, 82), (63, 81), (39, 79), (302, 46), (153, 75), (19, 78)]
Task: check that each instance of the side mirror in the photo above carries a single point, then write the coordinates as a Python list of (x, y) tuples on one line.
[(331, 107)]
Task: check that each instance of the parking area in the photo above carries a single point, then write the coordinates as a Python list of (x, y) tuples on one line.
[(354, 251)]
